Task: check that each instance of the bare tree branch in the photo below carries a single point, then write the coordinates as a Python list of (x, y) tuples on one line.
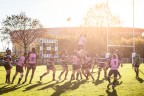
[(23, 30)]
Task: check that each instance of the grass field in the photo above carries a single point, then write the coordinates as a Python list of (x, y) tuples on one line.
[(128, 85)]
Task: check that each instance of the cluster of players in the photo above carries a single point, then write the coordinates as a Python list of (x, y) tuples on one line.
[(81, 62)]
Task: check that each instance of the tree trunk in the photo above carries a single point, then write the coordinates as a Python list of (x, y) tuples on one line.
[(25, 49)]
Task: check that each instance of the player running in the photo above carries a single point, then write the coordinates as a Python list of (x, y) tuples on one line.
[(8, 65), (136, 64), (64, 61), (50, 66), (114, 65), (32, 62), (19, 68)]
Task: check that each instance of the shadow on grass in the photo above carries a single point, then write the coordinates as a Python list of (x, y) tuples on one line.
[(2, 83), (113, 93), (118, 83), (140, 80), (3, 88), (67, 86), (95, 72), (141, 72), (97, 82), (49, 86), (6, 89), (35, 85)]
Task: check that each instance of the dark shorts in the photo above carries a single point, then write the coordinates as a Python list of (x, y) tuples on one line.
[(89, 66), (50, 67), (31, 66), (101, 65), (84, 66), (64, 65), (76, 67), (95, 63), (7, 66), (111, 72), (80, 46), (19, 69), (135, 65)]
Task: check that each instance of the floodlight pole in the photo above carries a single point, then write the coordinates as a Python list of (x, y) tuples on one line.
[(107, 31), (107, 28), (134, 53), (133, 30)]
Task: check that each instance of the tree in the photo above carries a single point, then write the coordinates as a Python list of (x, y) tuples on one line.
[(99, 17), (21, 29)]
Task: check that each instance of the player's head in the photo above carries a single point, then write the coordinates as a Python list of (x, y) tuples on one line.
[(137, 55), (114, 56), (116, 52), (53, 53), (33, 50), (75, 52), (102, 55), (8, 52), (64, 51), (25, 54)]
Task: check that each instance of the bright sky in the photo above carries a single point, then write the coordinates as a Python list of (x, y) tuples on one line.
[(53, 13)]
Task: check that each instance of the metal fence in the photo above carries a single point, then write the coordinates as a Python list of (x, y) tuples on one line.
[(129, 60), (43, 61)]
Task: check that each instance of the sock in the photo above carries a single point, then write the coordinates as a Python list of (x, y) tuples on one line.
[(6, 78), (72, 77), (119, 74), (108, 79), (19, 80), (114, 82), (66, 75), (44, 74), (81, 75), (98, 74), (92, 77), (77, 76), (138, 73), (13, 79), (53, 76), (61, 74)]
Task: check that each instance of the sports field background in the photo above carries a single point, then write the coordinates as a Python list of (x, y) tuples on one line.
[(128, 85)]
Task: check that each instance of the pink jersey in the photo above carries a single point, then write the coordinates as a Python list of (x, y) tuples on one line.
[(81, 40), (75, 60), (32, 58), (114, 64), (21, 61)]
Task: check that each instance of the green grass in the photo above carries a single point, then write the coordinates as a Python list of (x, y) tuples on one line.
[(128, 85)]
